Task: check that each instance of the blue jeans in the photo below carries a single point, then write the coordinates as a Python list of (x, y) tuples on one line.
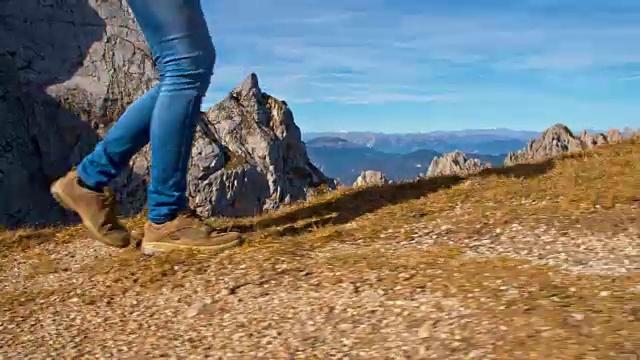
[(166, 115)]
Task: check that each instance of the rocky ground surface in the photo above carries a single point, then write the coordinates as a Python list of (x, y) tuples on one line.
[(537, 261)]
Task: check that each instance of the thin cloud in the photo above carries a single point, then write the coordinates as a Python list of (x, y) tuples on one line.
[(382, 98), (631, 78), (331, 50)]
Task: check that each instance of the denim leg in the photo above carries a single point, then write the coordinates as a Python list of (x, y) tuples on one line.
[(127, 136), (179, 39)]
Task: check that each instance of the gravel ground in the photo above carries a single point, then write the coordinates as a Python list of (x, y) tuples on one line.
[(577, 250), (402, 296)]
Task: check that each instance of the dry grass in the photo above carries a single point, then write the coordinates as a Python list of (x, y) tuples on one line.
[(372, 240)]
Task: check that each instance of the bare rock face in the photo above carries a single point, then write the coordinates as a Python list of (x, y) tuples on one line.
[(591, 140), (248, 156), (455, 163), (614, 136), (555, 140), (559, 139), (67, 70), (370, 178)]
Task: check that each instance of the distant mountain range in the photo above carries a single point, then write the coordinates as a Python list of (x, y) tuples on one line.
[(345, 160), (344, 155), (483, 141)]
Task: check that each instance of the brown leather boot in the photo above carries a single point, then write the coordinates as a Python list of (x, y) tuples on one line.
[(96, 209), (186, 231)]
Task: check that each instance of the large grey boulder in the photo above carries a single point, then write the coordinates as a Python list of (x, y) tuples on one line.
[(591, 140), (371, 178), (555, 140), (455, 163), (614, 136), (67, 70), (248, 156)]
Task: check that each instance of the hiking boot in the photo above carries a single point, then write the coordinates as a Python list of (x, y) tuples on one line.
[(186, 231), (96, 209)]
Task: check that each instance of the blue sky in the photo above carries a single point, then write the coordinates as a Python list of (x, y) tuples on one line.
[(423, 65)]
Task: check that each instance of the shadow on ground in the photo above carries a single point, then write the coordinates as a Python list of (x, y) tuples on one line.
[(350, 206)]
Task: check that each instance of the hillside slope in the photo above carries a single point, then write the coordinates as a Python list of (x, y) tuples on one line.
[(535, 261)]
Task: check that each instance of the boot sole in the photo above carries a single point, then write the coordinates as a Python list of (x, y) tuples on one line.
[(66, 203), (161, 247)]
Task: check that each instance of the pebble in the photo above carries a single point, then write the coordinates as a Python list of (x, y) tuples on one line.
[(195, 309), (425, 330)]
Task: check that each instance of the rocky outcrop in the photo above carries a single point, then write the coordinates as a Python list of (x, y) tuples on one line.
[(591, 140), (555, 140), (559, 139), (370, 178), (248, 156), (614, 136), (455, 163), (67, 70)]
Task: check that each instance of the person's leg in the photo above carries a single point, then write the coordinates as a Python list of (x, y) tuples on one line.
[(179, 39), (82, 190), (180, 42), (127, 136), (166, 115)]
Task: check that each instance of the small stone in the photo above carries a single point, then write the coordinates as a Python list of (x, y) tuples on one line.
[(422, 350), (195, 309), (605, 293), (474, 354), (425, 330), (578, 316), (575, 319)]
